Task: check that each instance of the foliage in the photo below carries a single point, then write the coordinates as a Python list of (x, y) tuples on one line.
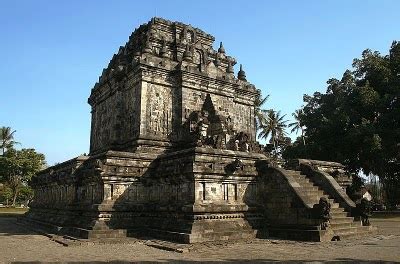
[(18, 166), (258, 112), (298, 125), (274, 128), (6, 139), (357, 121), (270, 124), (5, 194), (25, 194)]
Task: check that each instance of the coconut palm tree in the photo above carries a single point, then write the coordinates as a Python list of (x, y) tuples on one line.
[(274, 127), (258, 112), (6, 139), (298, 125)]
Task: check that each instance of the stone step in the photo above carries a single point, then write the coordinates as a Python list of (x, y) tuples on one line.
[(109, 231), (112, 233), (336, 214), (308, 184), (341, 220), (296, 174), (336, 226), (335, 205), (332, 201), (313, 193), (304, 181), (340, 209), (311, 189), (320, 194), (292, 172), (339, 226), (314, 198), (345, 230)]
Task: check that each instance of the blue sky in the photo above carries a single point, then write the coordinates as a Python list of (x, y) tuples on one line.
[(52, 53)]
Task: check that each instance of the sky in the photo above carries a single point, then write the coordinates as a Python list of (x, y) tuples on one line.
[(52, 53)]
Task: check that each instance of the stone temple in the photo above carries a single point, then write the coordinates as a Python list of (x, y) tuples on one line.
[(173, 155)]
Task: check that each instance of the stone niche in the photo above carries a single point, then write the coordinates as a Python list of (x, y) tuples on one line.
[(166, 78), (173, 154), (172, 146)]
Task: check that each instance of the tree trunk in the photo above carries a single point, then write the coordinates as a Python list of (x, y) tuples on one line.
[(302, 137), (14, 184), (15, 194), (273, 141)]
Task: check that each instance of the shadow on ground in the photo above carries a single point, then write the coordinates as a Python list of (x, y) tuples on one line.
[(7, 229)]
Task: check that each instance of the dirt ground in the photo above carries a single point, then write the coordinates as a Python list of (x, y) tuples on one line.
[(21, 245)]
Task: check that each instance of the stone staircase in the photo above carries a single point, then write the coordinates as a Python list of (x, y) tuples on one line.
[(342, 223)]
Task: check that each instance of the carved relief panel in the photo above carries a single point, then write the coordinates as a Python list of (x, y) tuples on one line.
[(243, 118), (159, 111)]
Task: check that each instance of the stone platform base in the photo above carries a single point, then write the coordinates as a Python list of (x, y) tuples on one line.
[(193, 238), (207, 231), (193, 231)]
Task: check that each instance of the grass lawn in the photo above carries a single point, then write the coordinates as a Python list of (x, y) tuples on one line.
[(12, 211)]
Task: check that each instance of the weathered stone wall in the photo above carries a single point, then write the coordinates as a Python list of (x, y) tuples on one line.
[(115, 117), (172, 144), (157, 111), (133, 190), (238, 113), (57, 196), (157, 80)]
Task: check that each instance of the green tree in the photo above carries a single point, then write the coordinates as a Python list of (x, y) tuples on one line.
[(258, 112), (18, 166), (357, 121), (298, 125), (6, 139), (5, 194), (25, 195), (274, 128)]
